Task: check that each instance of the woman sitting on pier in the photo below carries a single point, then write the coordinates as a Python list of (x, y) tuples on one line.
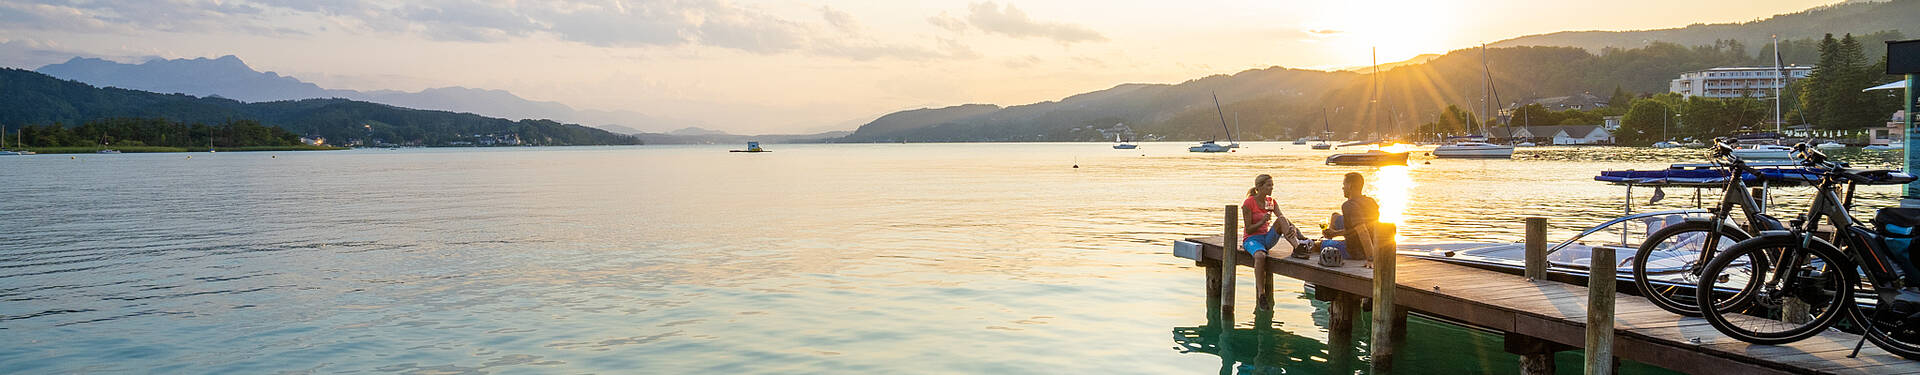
[(1265, 228), (1265, 225)]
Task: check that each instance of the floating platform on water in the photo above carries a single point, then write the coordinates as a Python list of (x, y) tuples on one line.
[(1548, 316)]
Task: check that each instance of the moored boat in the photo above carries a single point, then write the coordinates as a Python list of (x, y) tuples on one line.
[(1471, 149), (752, 147), (1208, 146), (1368, 158), (1764, 152)]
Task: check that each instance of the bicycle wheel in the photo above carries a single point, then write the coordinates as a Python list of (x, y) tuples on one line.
[(1812, 293), (1891, 333), (1667, 267)]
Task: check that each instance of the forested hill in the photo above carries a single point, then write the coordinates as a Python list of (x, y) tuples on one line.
[(1186, 110), (38, 99), (1855, 17)]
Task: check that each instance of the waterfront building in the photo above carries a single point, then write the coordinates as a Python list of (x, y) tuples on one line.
[(1736, 82), (1563, 134)]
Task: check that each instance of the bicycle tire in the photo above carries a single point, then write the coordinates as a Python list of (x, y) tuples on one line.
[(1840, 297), (1668, 297)]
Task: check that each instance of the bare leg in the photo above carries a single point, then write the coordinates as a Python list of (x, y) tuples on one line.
[(1262, 282)]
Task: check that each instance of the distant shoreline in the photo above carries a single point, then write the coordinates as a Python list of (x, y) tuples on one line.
[(160, 149)]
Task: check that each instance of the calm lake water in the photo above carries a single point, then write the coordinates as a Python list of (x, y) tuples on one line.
[(882, 258)]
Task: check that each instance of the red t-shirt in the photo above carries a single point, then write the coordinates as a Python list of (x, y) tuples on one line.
[(1260, 213)]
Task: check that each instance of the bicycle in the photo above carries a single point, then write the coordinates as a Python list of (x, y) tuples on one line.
[(1695, 239), (1815, 281)]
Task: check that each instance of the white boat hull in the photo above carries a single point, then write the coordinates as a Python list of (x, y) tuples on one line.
[(1750, 154), (1473, 151)]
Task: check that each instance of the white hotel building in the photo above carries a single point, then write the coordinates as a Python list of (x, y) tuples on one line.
[(1735, 82)]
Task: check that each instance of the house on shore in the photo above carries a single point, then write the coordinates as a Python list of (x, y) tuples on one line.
[(1562, 134)]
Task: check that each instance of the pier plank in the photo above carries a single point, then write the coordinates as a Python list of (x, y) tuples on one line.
[(1556, 312)]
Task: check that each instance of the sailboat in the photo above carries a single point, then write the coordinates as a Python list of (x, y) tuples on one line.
[(1122, 145), (1476, 146), (1326, 131), (1211, 146), (3, 143), (1766, 146)]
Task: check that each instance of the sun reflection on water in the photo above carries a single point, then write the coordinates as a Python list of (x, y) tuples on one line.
[(1392, 188)]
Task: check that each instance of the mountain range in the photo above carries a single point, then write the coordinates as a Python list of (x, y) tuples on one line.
[(1288, 103), (1274, 102), (229, 77), (1855, 17), (38, 99)]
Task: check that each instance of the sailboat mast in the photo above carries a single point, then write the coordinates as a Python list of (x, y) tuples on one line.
[(1776, 84), (1223, 117)]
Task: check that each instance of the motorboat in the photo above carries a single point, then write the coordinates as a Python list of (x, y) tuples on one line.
[(7, 153), (1763, 152), (1208, 146), (1666, 144), (1122, 145), (1829, 145), (108, 151), (1889, 146), (1525, 144), (752, 147), (1571, 259), (1300, 141), (1473, 150), (1368, 158)]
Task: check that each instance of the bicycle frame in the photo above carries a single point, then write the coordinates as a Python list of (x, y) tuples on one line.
[(1861, 243), (1736, 195)]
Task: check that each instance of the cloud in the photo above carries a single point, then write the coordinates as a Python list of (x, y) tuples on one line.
[(950, 23), (620, 24), (839, 20), (1013, 22), (1322, 32)]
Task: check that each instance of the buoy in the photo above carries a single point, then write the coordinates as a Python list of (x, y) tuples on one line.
[(70, 158), (1076, 166), (274, 157), (189, 156)]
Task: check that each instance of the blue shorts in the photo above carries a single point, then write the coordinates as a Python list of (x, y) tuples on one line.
[(1261, 242), (1267, 241)]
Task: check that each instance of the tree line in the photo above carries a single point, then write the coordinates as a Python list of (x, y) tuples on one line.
[(154, 132), (41, 100)]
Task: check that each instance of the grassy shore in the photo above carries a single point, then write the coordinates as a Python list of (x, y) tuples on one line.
[(143, 149)]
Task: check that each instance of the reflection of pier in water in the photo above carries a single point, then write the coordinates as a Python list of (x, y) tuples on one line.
[(1257, 349)]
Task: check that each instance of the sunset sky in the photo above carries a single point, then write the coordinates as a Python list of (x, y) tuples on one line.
[(800, 66)]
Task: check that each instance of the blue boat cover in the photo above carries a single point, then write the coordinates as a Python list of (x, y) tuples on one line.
[(1695, 177)]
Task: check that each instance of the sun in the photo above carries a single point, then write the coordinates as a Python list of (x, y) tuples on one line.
[(1399, 30)]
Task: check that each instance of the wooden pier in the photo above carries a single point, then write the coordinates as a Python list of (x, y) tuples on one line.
[(1537, 317)]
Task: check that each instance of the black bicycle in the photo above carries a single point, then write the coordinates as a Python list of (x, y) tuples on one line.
[(1815, 277), (1667, 266)]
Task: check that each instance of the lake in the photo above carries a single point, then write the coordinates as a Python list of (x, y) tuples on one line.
[(869, 258)]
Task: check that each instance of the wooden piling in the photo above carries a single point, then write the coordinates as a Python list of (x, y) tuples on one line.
[(1600, 285), (1343, 308), (1229, 251), (1536, 248), (1536, 355), (1387, 317)]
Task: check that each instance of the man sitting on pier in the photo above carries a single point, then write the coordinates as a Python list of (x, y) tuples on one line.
[(1357, 213)]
